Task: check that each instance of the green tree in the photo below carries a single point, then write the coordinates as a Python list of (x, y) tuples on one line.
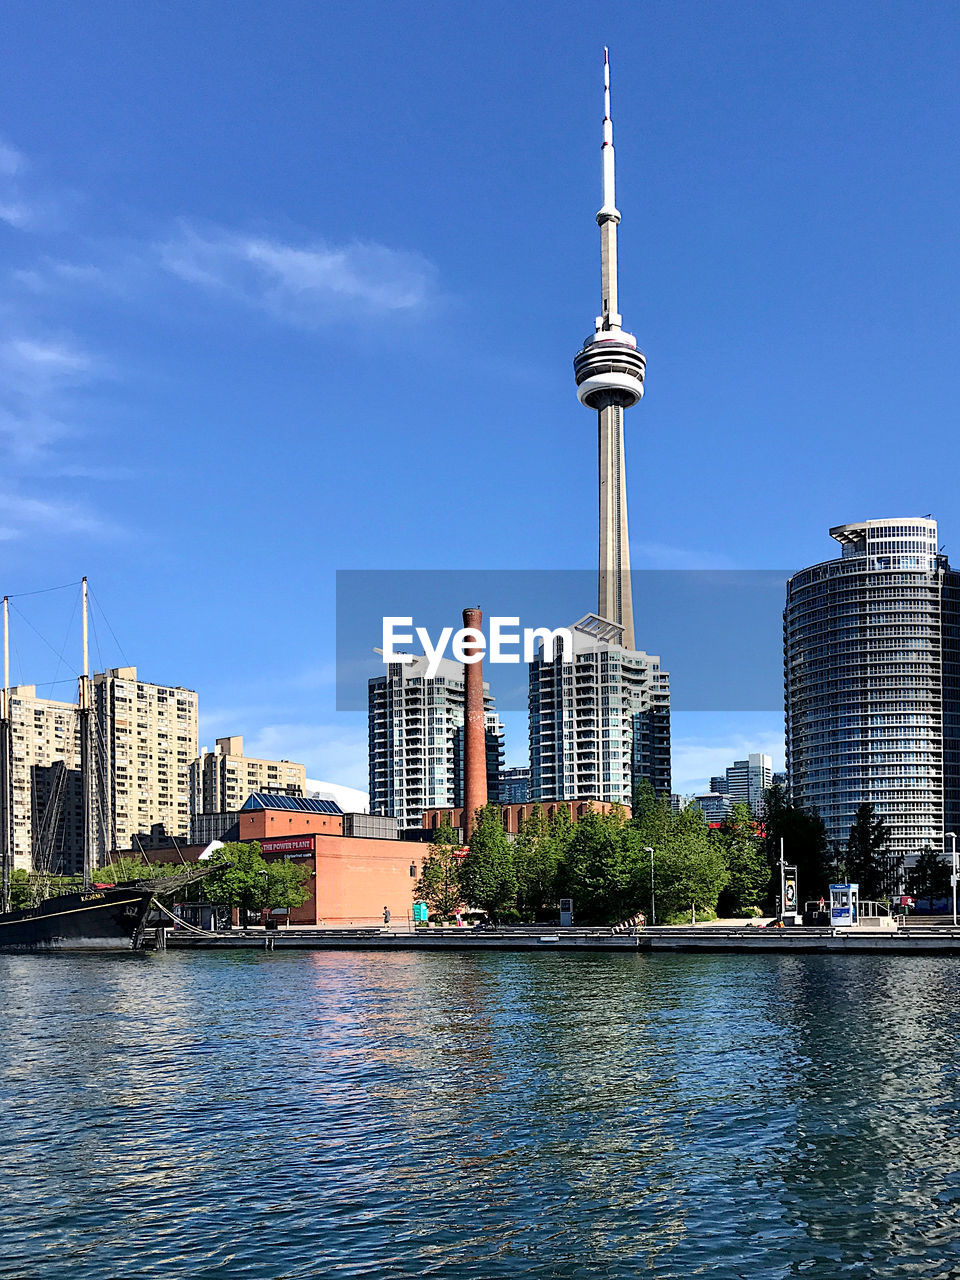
[(538, 850), (487, 872), (689, 869), (747, 870), (120, 870), (929, 877), (652, 817), (287, 883), (22, 890), (805, 845), (599, 870), (439, 882), (837, 863), (868, 859), (240, 877)]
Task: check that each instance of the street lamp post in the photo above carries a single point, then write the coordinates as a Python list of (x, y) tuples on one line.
[(953, 877), (653, 901)]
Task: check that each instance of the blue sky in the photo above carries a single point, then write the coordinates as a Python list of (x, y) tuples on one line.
[(291, 289)]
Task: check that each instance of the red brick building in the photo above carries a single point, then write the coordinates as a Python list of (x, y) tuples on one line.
[(352, 879)]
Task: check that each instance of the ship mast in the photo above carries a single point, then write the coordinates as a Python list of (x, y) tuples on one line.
[(87, 759), (6, 768)]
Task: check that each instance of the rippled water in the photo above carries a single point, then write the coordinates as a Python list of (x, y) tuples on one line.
[(291, 1115)]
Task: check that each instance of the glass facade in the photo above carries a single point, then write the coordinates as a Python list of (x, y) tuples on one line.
[(871, 683)]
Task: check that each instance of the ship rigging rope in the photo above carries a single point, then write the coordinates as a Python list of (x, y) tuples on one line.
[(103, 615), (59, 653), (61, 661), (19, 595), (182, 924)]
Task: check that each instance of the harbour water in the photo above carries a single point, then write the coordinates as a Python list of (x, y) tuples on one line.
[(272, 1116)]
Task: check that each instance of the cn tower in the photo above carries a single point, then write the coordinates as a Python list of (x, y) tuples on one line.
[(609, 371)]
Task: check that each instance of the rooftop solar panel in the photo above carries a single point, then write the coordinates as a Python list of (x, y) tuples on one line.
[(299, 804)]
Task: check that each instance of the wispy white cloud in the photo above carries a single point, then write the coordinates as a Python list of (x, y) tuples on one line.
[(23, 205), (301, 284), (33, 359), (37, 377), (660, 555), (49, 274), (11, 161), (22, 516), (13, 209)]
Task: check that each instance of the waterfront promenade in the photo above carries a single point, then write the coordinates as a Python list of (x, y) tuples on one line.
[(907, 940)]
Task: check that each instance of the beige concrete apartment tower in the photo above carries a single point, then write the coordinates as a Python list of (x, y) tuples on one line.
[(149, 741), (609, 372)]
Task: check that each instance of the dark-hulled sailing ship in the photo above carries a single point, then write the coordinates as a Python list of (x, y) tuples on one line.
[(101, 918), (96, 916)]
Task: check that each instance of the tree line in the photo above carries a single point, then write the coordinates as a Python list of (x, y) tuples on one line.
[(603, 862), (670, 866)]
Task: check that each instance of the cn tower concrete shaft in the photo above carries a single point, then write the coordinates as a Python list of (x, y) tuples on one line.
[(615, 600)]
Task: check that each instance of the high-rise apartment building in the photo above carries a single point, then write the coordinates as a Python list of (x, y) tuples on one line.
[(149, 737), (221, 780), (600, 723), (872, 683), (412, 723), (45, 759), (145, 737)]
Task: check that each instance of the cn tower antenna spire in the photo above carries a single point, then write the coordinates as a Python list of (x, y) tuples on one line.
[(609, 371), (609, 216)]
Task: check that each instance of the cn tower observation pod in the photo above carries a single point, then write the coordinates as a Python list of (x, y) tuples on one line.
[(609, 370)]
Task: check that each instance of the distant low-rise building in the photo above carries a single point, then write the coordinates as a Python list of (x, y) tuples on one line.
[(515, 814), (205, 827)]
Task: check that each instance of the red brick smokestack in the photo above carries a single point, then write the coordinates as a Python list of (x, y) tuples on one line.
[(474, 737)]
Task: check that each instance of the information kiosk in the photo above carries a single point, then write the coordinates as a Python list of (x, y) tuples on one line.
[(844, 905)]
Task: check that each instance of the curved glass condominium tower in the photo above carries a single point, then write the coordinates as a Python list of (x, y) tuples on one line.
[(872, 683)]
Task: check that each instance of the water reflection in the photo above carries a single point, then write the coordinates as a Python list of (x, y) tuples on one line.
[(267, 1116)]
